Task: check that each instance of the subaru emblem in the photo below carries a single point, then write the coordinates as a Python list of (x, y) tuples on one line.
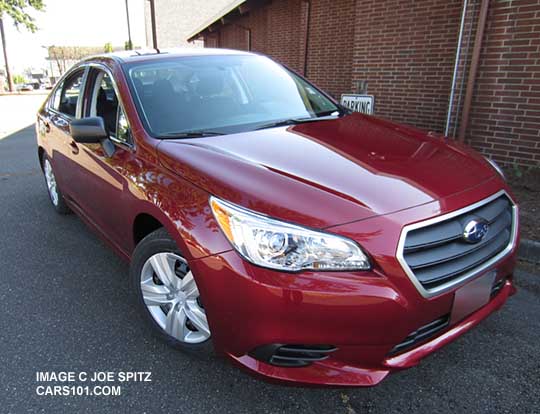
[(475, 230)]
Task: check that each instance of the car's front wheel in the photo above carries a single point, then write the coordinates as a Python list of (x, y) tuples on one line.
[(167, 293)]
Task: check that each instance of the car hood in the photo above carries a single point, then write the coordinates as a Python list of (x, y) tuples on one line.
[(326, 173)]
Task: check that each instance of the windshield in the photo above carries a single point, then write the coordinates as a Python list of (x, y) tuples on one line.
[(221, 94)]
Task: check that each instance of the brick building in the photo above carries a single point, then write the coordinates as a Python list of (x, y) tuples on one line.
[(406, 51)]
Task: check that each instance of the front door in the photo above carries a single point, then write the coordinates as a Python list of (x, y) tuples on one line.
[(102, 186)]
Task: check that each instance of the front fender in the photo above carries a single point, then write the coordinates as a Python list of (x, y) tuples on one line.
[(183, 210)]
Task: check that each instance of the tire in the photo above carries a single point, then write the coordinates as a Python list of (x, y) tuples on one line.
[(55, 194), (168, 298)]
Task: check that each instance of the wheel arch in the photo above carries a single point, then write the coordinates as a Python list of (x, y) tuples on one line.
[(143, 225), (41, 154), (152, 219)]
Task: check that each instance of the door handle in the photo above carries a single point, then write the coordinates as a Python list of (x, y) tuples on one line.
[(44, 127), (74, 147)]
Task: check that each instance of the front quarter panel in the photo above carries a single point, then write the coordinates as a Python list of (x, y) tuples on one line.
[(181, 207)]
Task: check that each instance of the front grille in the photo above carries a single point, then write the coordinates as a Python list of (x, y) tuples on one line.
[(437, 254), (421, 334), (292, 355)]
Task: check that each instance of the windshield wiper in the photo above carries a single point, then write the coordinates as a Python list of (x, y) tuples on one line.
[(295, 121), (189, 134)]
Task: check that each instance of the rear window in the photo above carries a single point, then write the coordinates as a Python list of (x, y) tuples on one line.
[(66, 95)]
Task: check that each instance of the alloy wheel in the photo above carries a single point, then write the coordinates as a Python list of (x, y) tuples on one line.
[(171, 296)]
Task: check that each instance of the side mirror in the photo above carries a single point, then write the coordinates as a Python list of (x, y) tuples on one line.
[(89, 130)]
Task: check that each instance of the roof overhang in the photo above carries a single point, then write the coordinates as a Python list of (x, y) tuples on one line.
[(234, 9)]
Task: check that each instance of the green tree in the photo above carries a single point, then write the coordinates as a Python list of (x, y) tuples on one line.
[(18, 11), (17, 79), (108, 47)]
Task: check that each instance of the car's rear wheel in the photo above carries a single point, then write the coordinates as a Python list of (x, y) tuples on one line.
[(167, 293), (55, 195)]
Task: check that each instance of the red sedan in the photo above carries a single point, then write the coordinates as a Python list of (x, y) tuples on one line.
[(267, 223)]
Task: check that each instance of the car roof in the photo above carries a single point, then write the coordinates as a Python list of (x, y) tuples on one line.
[(129, 56)]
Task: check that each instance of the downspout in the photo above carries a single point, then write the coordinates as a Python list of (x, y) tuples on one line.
[(306, 45), (475, 59), (456, 67)]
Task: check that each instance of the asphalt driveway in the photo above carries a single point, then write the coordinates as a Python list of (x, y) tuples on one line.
[(64, 307)]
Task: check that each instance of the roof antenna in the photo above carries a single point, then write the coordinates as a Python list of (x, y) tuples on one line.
[(158, 50)]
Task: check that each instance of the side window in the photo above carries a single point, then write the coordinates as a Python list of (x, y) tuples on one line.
[(104, 101), (67, 94), (55, 99), (122, 127)]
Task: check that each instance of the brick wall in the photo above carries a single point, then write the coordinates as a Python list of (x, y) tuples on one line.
[(505, 119), (285, 34), (235, 37), (405, 49), (330, 45)]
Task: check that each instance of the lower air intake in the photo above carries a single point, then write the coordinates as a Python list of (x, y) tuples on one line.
[(421, 334), (292, 355), (497, 287)]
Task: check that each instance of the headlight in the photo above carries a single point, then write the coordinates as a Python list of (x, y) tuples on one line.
[(496, 167), (278, 245)]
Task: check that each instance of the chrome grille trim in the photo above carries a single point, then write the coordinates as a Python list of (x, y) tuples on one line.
[(452, 284)]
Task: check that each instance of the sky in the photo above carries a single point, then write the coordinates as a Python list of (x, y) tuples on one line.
[(73, 23)]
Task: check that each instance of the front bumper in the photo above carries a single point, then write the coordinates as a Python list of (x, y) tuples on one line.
[(364, 319), (363, 314)]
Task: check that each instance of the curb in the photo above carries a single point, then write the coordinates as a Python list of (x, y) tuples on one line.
[(529, 250)]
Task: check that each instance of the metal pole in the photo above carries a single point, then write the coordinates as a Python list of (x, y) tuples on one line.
[(129, 28), (462, 80), (456, 66), (4, 46)]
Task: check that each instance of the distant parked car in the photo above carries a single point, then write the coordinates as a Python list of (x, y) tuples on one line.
[(26, 87), (309, 244)]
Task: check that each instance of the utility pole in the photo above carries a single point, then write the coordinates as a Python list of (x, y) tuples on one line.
[(129, 28), (154, 29), (8, 73)]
